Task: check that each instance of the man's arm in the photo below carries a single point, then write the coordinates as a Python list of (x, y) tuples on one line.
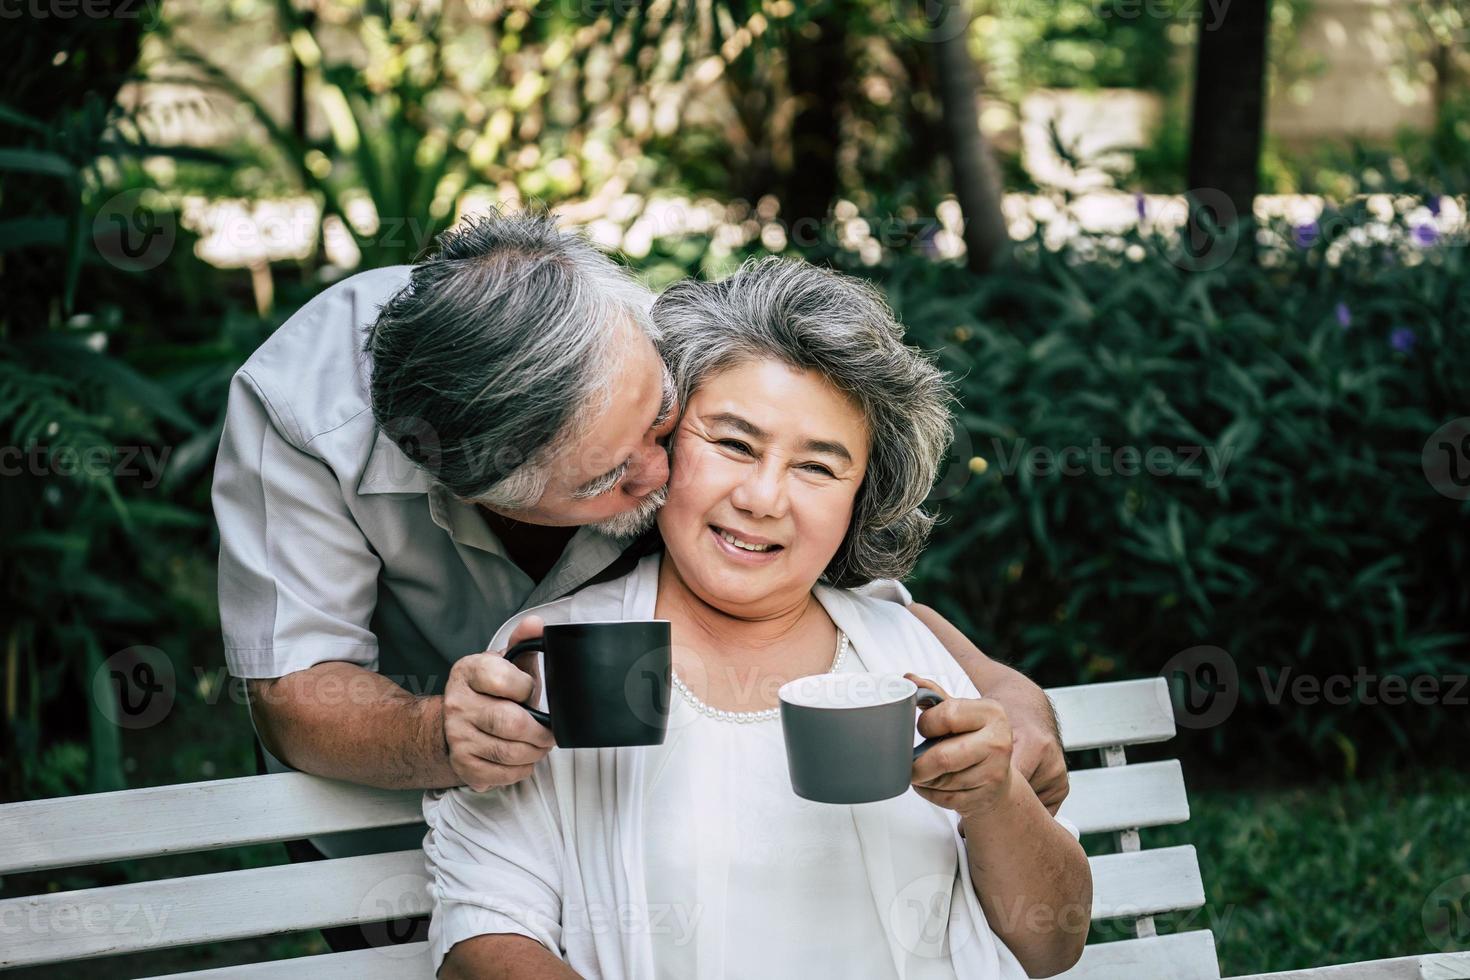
[(298, 584), (1033, 881), (504, 956), (343, 721), (1038, 750)]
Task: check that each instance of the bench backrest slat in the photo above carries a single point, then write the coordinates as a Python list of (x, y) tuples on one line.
[(77, 830), (407, 962), (1117, 713), (1179, 956), (212, 908), (1151, 794), (1182, 956), (285, 898)]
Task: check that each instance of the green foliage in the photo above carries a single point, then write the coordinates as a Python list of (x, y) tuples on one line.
[(1304, 536), (96, 528), (1079, 44)]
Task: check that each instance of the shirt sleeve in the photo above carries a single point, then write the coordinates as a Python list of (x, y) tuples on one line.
[(297, 578), (1068, 826), (494, 862)]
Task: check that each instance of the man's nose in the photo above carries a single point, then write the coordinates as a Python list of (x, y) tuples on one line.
[(651, 472)]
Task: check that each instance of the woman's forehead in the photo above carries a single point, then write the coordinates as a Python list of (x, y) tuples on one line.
[(778, 398)]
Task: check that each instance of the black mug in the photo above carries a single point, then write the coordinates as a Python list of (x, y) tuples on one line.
[(850, 736), (607, 684)]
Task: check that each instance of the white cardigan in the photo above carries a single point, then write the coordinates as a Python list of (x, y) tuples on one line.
[(558, 857)]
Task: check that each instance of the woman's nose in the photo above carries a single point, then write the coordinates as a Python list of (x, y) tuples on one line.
[(763, 492)]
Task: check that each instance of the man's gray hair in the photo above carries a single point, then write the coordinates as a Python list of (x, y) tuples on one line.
[(841, 328), (501, 342)]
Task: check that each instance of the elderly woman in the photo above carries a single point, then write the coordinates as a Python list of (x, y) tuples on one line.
[(810, 438)]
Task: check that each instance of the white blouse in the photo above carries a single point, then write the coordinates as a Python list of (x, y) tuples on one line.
[(695, 859), (751, 880)]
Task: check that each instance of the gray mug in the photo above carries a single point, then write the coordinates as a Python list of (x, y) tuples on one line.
[(850, 736)]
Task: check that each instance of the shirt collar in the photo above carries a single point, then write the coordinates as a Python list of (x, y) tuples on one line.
[(389, 471)]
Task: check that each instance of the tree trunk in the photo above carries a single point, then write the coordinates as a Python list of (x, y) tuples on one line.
[(1229, 111), (977, 183), (817, 69)]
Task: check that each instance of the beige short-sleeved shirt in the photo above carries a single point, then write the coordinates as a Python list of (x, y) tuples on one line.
[(333, 545)]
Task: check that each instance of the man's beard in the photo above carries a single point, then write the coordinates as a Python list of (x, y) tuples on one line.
[(634, 522)]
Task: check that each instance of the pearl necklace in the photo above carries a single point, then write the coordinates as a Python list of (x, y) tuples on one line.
[(749, 717)]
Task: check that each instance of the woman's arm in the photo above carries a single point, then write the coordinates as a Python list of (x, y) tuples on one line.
[(494, 862), (1038, 750), (504, 957), (1030, 875)]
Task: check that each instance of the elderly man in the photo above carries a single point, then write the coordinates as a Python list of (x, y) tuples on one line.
[(416, 456)]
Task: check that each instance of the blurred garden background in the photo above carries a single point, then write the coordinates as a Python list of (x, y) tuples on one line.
[(1202, 279)]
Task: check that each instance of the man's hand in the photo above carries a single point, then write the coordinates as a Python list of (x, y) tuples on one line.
[(968, 772), (492, 740), (1037, 753)]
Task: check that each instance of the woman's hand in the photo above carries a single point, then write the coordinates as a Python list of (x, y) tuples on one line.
[(970, 771), (490, 738)]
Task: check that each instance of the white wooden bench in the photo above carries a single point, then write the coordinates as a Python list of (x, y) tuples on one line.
[(1133, 885)]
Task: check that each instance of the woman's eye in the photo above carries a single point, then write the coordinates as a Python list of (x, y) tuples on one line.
[(818, 468), (736, 445)]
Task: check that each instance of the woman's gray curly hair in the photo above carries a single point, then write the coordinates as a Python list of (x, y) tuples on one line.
[(841, 328)]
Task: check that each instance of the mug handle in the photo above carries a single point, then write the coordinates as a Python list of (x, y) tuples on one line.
[(927, 699), (536, 644)]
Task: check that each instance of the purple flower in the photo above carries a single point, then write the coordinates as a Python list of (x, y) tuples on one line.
[(1433, 203), (1306, 235), (1426, 235), (1344, 315), (1141, 203), (1402, 339)]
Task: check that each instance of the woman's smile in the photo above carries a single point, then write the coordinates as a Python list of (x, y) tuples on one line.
[(744, 548)]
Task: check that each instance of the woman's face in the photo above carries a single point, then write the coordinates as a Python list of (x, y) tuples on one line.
[(771, 456)]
